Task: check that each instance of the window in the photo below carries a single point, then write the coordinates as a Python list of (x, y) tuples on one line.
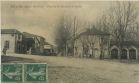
[(132, 54), (114, 53), (6, 44)]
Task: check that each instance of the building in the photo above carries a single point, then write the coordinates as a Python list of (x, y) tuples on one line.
[(130, 50), (17, 42), (49, 49), (33, 44), (12, 40), (92, 43)]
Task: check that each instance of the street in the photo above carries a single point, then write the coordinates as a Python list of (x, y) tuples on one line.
[(83, 70)]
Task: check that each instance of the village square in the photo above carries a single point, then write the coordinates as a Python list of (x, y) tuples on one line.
[(76, 48)]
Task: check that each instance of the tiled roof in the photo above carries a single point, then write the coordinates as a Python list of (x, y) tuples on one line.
[(92, 31), (9, 31), (127, 43), (25, 34), (29, 35)]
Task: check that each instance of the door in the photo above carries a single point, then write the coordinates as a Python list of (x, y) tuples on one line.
[(114, 53), (132, 54), (124, 54)]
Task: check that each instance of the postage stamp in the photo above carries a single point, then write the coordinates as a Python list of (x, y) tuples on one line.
[(28, 72), (11, 72), (35, 72)]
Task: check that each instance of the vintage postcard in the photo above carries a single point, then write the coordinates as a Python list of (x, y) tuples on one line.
[(69, 41)]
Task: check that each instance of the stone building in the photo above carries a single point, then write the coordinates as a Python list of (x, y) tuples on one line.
[(130, 50), (49, 49), (17, 42), (92, 43), (12, 40)]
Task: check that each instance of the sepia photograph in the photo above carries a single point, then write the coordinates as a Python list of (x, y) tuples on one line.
[(70, 41)]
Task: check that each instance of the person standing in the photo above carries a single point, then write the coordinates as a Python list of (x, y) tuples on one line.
[(4, 50), (90, 53)]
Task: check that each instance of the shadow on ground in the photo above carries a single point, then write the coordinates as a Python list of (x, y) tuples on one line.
[(6, 59), (125, 61)]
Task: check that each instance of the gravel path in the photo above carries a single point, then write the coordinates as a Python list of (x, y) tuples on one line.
[(81, 70)]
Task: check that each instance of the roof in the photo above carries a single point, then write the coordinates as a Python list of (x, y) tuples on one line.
[(46, 43), (29, 35), (14, 31), (92, 31), (10, 31), (25, 34), (127, 43)]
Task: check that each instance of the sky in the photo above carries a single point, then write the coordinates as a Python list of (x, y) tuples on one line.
[(41, 17)]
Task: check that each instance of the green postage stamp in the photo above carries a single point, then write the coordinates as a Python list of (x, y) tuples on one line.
[(11, 72), (35, 72), (28, 72)]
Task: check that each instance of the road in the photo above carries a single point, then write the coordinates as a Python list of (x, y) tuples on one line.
[(82, 70)]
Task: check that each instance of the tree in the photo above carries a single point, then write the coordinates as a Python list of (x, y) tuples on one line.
[(65, 32), (102, 24), (121, 18), (84, 44), (62, 35), (91, 39)]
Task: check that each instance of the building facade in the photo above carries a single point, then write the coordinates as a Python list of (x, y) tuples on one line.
[(17, 42), (130, 50), (49, 49), (92, 43), (12, 40), (33, 44)]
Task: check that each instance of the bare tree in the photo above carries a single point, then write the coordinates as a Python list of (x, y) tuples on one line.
[(91, 39), (103, 25), (84, 43), (65, 32), (121, 18), (62, 34)]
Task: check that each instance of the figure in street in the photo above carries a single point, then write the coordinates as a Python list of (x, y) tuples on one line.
[(4, 50)]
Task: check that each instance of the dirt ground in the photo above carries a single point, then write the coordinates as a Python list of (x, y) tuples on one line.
[(82, 70)]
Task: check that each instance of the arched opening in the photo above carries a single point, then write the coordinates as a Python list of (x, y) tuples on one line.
[(124, 54), (114, 53), (132, 54)]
